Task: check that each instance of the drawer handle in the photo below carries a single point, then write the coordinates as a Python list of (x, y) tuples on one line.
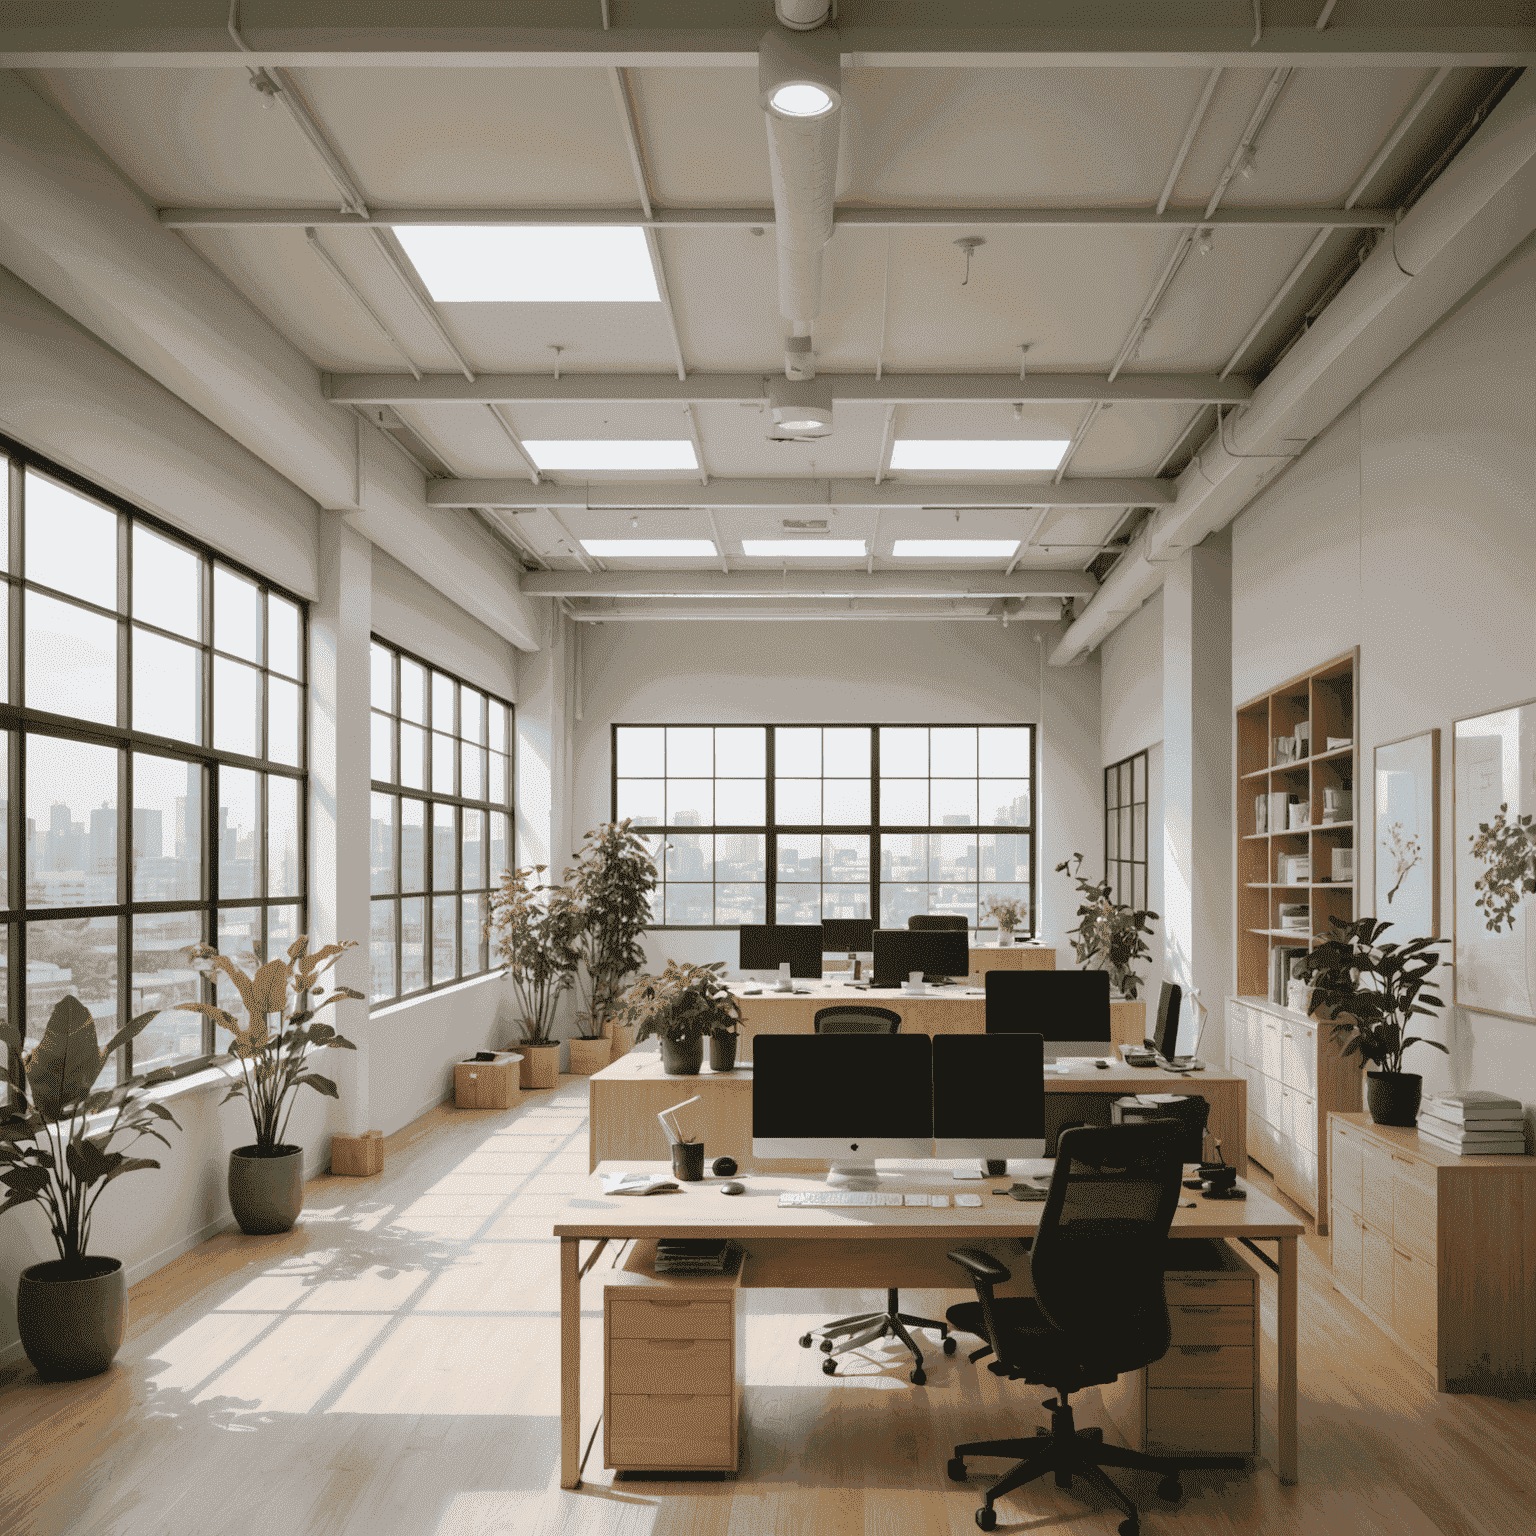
[(1412, 1162), (671, 1343), (1198, 1349), (1196, 1285), (1199, 1311), (1401, 1254), (670, 1397), (653, 1303)]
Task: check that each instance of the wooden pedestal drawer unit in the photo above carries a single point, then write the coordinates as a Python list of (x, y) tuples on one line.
[(1439, 1251), (673, 1368), (1201, 1398)]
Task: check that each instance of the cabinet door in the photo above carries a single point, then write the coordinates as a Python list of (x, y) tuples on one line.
[(1376, 1271), (1237, 1037), (1269, 1046), (1298, 1058), (1414, 1303), (1415, 1198), (1345, 1166), (1347, 1254), (1376, 1186)]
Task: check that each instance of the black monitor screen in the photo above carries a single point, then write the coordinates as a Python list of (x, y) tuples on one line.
[(900, 951), (844, 935), (989, 1087), (1060, 1005), (1167, 1036), (839, 1087), (766, 946)]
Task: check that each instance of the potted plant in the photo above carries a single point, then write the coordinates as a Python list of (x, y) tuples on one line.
[(681, 1007), (1368, 992), (1109, 934), (613, 883), (1008, 914), (266, 1178), (535, 929), (71, 1311)]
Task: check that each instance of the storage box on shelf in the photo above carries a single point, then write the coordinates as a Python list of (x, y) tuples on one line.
[(674, 1363), (1296, 1079), (1439, 1251)]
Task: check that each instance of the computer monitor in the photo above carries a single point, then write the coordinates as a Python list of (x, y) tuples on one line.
[(766, 946), (1166, 1039), (846, 1098), (847, 935), (900, 951), (1069, 1008), (989, 1096)]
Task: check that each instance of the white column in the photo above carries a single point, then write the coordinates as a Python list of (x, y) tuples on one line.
[(1197, 779), (543, 750), (339, 779)]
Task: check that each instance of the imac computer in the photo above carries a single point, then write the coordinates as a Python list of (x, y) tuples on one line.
[(847, 935), (937, 954), (988, 1097), (1165, 1041), (846, 1098), (768, 946), (1070, 1009)]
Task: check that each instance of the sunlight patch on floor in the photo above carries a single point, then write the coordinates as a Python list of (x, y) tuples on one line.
[(293, 1367)]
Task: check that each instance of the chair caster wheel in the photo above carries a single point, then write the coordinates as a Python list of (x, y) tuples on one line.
[(829, 1367), (826, 1346), (949, 1346), (1130, 1528), (918, 1378), (986, 1518), (805, 1341), (1171, 1489), (956, 1470)]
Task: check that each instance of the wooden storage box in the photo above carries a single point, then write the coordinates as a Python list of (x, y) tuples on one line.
[(486, 1084), (358, 1156)]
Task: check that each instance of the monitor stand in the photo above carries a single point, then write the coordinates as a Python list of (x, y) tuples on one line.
[(853, 1175)]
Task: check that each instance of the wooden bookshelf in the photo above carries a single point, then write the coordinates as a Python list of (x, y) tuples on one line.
[(1326, 697)]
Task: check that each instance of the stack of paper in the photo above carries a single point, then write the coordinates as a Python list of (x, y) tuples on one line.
[(1477, 1121)]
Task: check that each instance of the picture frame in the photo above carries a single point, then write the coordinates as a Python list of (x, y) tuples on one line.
[(1493, 764), (1406, 804)]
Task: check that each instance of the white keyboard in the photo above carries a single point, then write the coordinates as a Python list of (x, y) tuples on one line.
[(845, 1197)]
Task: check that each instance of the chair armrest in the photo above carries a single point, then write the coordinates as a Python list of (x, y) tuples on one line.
[(980, 1266)]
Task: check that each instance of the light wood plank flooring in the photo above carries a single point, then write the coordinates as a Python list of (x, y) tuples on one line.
[(388, 1369)]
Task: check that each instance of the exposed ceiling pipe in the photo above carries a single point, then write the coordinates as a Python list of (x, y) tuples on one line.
[(801, 92), (1377, 315)]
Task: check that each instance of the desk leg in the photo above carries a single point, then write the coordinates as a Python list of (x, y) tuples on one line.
[(570, 1362), (1285, 1335)]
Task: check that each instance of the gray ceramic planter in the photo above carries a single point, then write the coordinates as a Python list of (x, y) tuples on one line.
[(266, 1193), (71, 1325)]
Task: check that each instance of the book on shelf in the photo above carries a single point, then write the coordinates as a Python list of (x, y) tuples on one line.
[(1281, 961), (1280, 802), (1344, 864), (1338, 743), (1261, 813), (1293, 869), (1462, 1130), (1300, 815), (1338, 804), (1486, 1146), (1474, 1104), (1303, 735), (1285, 749)]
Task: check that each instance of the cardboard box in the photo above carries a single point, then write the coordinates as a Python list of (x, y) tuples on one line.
[(358, 1156), (486, 1084)]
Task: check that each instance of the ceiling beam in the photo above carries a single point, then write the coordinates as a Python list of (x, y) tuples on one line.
[(851, 583), (947, 611), (794, 495), (757, 218), (716, 34), (749, 388)]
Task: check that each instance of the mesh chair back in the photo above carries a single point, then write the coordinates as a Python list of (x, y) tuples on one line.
[(856, 1019), (1097, 1260), (930, 922)]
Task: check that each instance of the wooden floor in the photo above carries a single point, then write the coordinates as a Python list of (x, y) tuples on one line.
[(388, 1369)]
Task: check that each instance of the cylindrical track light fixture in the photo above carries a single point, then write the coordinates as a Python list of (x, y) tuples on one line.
[(801, 407), (798, 78), (802, 15)]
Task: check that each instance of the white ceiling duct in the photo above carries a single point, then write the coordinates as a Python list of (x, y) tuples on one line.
[(802, 15), (800, 86)]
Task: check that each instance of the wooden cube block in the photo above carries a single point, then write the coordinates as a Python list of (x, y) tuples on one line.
[(358, 1156), (485, 1084)]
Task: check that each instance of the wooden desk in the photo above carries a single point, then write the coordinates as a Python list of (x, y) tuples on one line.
[(870, 1247), (1016, 957), (627, 1095)]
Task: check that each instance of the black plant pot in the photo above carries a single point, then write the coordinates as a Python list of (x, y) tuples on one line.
[(722, 1052), (266, 1194), (682, 1058), (71, 1321), (1393, 1097)]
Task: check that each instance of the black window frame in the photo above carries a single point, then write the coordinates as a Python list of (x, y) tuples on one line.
[(1118, 868), (771, 830)]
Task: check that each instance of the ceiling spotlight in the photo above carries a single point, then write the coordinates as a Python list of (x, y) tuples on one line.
[(801, 407), (1203, 242), (798, 79)]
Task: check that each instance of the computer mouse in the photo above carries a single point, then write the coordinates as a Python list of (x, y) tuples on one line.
[(731, 1187), (1103, 1066)]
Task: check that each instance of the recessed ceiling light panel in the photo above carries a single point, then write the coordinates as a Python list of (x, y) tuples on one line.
[(577, 264), (804, 549), (971, 453), (954, 549), (649, 549), (612, 453), (798, 78)]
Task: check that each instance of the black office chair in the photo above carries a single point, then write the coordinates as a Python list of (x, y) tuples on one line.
[(862, 1019), (1098, 1309), (937, 922)]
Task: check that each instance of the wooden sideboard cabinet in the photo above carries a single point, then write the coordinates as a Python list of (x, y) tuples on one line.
[(1296, 1079), (1439, 1251)]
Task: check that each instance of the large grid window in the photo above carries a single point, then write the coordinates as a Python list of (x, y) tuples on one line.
[(441, 755), (152, 708), (1125, 829), (809, 822)]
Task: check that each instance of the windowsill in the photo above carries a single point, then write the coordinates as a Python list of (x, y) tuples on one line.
[(386, 1010)]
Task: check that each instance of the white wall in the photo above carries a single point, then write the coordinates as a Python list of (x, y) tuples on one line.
[(847, 672), (1409, 529)]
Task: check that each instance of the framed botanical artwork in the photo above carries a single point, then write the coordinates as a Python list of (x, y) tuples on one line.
[(1493, 759), (1407, 859)]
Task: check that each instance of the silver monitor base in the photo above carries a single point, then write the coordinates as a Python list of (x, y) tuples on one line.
[(853, 1176)]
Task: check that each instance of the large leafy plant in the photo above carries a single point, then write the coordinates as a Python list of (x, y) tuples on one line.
[(683, 1004), (535, 930), (1109, 934), (1378, 987), (612, 884), (47, 1156), (1507, 849), (272, 1047)]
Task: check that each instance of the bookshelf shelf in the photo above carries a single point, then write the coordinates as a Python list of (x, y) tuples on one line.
[(1301, 762)]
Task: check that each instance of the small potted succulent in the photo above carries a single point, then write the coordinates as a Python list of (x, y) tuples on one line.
[(1369, 991), (272, 1049), (1008, 914), (683, 1007), (535, 929), (71, 1311)]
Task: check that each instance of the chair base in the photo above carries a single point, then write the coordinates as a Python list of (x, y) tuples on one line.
[(1065, 1451), (866, 1327)]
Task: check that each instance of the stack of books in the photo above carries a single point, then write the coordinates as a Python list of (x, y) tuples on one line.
[(1281, 961), (1338, 804), (1297, 915), (692, 1256), (1474, 1122)]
